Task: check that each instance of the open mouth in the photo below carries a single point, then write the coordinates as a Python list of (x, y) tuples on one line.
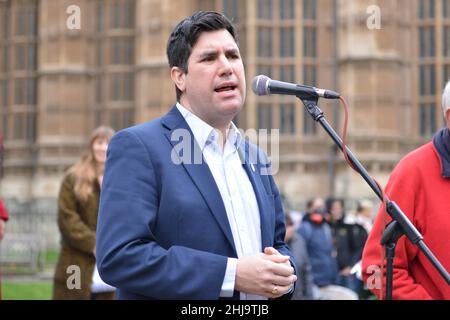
[(225, 88)]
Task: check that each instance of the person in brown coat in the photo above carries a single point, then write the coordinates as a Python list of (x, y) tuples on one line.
[(78, 204)]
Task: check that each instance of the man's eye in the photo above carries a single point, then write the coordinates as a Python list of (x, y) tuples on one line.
[(208, 59), (233, 56)]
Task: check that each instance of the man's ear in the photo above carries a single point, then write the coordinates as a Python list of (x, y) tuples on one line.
[(179, 78)]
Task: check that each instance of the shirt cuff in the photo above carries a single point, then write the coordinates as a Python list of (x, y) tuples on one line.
[(293, 285), (290, 290), (227, 290)]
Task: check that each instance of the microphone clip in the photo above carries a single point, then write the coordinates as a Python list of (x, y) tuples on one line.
[(312, 108)]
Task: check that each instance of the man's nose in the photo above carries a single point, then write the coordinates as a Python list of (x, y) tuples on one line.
[(225, 66)]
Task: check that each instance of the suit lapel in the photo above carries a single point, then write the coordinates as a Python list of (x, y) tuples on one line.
[(200, 173), (250, 166)]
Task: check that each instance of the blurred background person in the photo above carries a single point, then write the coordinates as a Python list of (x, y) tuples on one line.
[(78, 204), (363, 217), (348, 239), (4, 216), (305, 284), (316, 231), (364, 214)]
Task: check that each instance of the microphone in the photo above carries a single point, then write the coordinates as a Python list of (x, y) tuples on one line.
[(263, 85)]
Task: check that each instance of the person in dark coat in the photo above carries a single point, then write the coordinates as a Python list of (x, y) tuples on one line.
[(316, 232), (304, 285), (349, 240)]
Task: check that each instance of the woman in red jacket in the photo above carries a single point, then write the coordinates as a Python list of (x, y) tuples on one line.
[(420, 185)]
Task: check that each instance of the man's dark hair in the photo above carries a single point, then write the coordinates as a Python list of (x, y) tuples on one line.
[(186, 33)]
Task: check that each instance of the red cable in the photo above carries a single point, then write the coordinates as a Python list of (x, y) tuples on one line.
[(344, 149)]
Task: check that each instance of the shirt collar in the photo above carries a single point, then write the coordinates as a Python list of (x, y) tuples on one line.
[(205, 134)]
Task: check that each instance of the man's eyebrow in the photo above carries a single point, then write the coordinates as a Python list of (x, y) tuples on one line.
[(213, 52), (207, 53), (232, 50)]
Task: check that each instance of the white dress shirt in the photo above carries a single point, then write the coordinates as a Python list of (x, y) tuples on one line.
[(235, 189)]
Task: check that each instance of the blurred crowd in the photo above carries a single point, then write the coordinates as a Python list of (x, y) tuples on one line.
[(327, 243)]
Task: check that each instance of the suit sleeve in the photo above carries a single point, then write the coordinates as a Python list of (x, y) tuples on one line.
[(129, 256), (401, 188), (73, 229)]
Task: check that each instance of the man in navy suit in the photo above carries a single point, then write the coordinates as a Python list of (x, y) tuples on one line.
[(189, 209)]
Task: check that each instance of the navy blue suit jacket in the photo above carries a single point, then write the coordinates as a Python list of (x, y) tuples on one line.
[(163, 231)]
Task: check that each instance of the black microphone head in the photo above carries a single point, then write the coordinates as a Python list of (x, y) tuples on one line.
[(260, 85)]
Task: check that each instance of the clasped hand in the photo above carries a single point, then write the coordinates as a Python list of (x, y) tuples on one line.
[(267, 274)]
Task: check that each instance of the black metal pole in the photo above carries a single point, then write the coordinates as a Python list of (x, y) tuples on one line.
[(390, 253), (389, 239)]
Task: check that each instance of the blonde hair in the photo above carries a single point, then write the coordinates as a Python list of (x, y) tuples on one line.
[(85, 170)]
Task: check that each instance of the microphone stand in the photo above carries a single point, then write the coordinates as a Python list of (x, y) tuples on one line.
[(400, 224)]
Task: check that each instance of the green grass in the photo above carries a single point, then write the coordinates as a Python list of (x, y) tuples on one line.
[(51, 256), (30, 290), (50, 260), (46, 263), (41, 290)]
